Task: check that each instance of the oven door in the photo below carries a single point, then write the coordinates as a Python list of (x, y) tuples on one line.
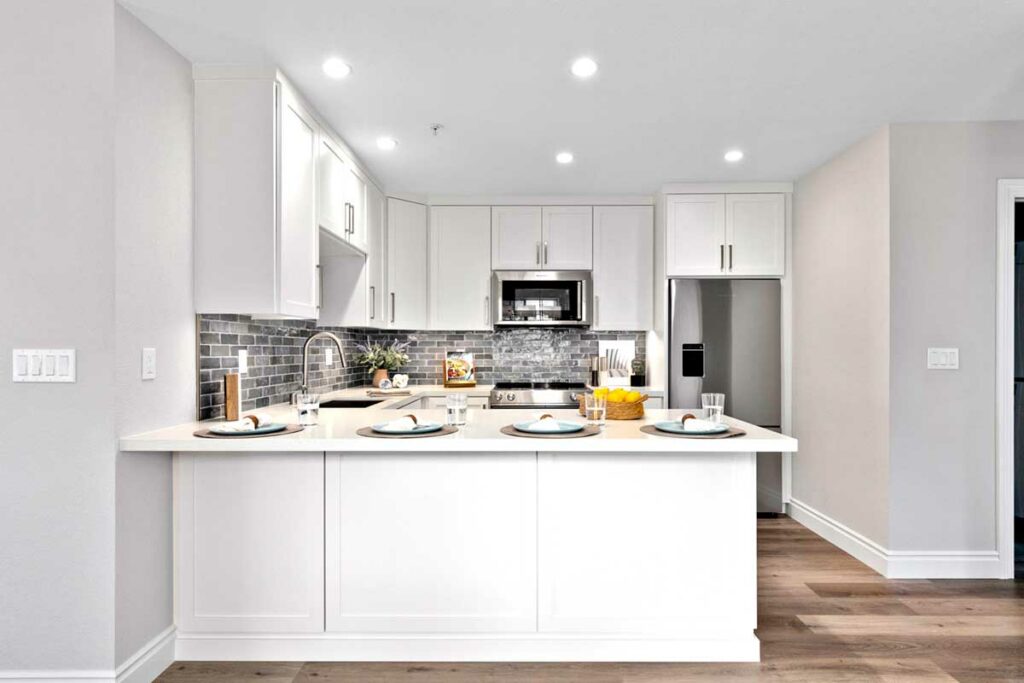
[(542, 297)]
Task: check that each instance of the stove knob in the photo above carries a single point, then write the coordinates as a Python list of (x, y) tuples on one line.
[(574, 397), (497, 397), (510, 396)]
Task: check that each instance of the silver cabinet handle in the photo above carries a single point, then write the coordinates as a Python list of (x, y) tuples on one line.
[(373, 302), (597, 303), (352, 219), (487, 310), (392, 307), (538, 253), (721, 257), (545, 253), (730, 258), (319, 286)]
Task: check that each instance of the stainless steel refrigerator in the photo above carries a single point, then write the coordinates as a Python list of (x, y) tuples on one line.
[(726, 336)]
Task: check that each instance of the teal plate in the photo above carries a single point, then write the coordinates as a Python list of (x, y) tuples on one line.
[(269, 429), (676, 427), (425, 428), (563, 427)]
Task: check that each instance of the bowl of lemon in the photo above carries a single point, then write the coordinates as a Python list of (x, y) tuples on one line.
[(623, 403)]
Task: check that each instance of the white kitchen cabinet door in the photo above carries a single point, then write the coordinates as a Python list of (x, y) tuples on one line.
[(407, 265), (516, 238), (299, 285), (567, 238), (358, 236), (623, 267), (249, 542), (630, 567), (376, 209), (460, 268), (431, 543), (695, 238), (755, 234), (333, 190)]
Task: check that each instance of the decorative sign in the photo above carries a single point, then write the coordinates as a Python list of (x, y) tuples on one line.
[(459, 369)]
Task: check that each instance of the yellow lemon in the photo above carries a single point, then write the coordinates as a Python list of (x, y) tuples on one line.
[(617, 395), (633, 397), (601, 391)]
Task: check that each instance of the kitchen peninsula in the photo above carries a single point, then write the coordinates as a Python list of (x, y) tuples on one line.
[(476, 546)]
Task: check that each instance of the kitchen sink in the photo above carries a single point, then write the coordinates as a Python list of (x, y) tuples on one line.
[(351, 402)]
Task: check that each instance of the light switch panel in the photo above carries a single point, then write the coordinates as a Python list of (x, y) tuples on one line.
[(243, 361), (943, 359), (43, 365), (148, 363)]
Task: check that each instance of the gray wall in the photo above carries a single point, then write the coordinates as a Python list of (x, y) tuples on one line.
[(57, 279), (943, 294), (841, 338), (153, 212)]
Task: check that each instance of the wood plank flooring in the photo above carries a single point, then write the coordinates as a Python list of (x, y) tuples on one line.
[(823, 616)]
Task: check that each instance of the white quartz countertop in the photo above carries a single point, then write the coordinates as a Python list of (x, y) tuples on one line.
[(337, 427)]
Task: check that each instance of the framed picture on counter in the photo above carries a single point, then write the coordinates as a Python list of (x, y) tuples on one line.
[(459, 369)]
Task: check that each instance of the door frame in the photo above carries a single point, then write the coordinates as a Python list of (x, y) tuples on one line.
[(1009, 192)]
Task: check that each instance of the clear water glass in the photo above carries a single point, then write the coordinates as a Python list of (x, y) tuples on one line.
[(308, 407), (456, 406), (714, 407), (595, 408)]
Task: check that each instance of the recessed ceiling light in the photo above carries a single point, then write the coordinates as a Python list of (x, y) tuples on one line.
[(564, 157), (387, 144), (734, 155), (584, 67), (336, 68)]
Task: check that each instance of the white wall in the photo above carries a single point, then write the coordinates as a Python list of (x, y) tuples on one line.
[(841, 338), (943, 294), (57, 279), (154, 308)]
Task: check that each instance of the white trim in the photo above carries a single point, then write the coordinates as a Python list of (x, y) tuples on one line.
[(1009, 191), (725, 188), (897, 564), (150, 660), (743, 647), (541, 200), (786, 283), (57, 676)]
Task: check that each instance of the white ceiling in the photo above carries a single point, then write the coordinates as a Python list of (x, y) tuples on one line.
[(791, 82)]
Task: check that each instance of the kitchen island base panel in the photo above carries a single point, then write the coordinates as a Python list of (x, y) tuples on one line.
[(507, 556), (374, 647)]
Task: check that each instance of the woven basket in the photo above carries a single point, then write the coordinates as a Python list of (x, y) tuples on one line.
[(619, 411)]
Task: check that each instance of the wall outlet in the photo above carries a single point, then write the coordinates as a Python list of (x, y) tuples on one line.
[(943, 359), (148, 363), (243, 361), (43, 365), (328, 356)]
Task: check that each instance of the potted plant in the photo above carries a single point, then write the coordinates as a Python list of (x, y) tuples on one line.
[(381, 358)]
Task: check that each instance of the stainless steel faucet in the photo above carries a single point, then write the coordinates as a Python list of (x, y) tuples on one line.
[(305, 356)]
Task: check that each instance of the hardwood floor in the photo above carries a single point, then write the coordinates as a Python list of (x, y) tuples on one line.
[(823, 616)]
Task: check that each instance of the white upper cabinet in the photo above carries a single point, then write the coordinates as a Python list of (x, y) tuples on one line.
[(567, 240), (407, 265), (755, 234), (726, 234), (342, 196), (460, 269), (623, 267), (696, 234), (516, 237), (376, 209), (255, 255)]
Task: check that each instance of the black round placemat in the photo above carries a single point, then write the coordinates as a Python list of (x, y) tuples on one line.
[(207, 434), (443, 431), (588, 430), (733, 431)]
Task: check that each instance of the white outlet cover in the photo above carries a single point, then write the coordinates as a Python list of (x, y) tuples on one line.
[(148, 363), (328, 356), (243, 361)]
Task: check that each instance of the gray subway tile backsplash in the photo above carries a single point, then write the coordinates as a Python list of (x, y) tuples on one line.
[(275, 356)]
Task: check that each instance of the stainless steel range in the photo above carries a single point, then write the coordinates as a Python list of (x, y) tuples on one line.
[(551, 395)]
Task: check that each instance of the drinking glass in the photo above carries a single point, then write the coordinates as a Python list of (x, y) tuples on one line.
[(308, 406), (455, 405), (595, 408), (714, 406)]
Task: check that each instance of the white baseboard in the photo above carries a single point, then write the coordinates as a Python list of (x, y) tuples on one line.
[(142, 667), (898, 564), (462, 648), (150, 661)]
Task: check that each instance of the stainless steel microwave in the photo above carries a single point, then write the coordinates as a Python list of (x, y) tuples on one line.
[(542, 297)]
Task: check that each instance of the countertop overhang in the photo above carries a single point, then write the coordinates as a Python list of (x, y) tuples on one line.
[(337, 427)]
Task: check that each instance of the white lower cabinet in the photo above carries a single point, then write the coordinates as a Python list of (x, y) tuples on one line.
[(431, 543), (249, 549)]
